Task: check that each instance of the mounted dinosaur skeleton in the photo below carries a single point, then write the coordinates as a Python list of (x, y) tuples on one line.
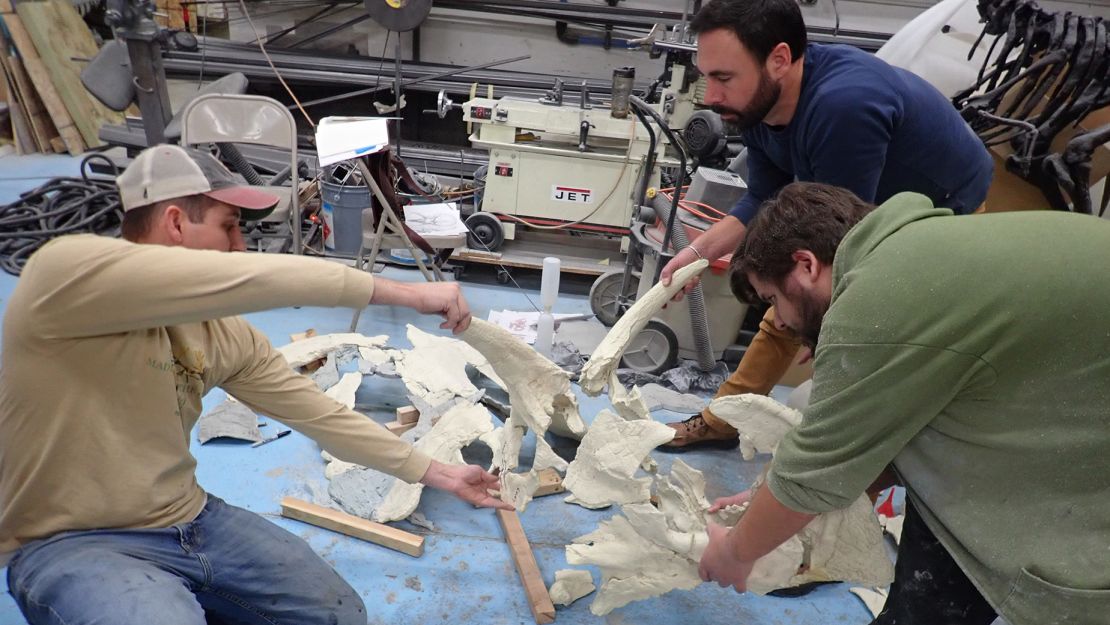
[(1050, 71)]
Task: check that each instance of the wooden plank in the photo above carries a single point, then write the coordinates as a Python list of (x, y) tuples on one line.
[(344, 523), (300, 336), (528, 260), (59, 34), (20, 133), (399, 428), (550, 483), (171, 16), (41, 124), (543, 611), (40, 78), (407, 415), (23, 131)]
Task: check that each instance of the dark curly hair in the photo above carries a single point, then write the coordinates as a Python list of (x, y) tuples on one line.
[(803, 216)]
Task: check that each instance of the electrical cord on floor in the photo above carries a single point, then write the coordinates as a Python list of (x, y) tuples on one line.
[(66, 205)]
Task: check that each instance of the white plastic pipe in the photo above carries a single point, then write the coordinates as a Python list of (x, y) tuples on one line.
[(549, 285)]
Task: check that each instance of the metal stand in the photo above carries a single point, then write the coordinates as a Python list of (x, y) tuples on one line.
[(390, 220), (134, 24)]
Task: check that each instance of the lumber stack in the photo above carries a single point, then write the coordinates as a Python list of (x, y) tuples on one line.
[(42, 46)]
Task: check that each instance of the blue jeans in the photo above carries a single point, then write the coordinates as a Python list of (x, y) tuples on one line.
[(226, 566)]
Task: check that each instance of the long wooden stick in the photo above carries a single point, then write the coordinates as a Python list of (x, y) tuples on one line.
[(350, 525), (543, 611)]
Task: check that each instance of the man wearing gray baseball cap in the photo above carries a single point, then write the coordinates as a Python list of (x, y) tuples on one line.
[(109, 346)]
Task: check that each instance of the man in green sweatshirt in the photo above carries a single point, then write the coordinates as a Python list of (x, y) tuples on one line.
[(972, 355), (109, 347)]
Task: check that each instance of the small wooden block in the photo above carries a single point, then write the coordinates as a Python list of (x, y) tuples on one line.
[(344, 523), (399, 428), (550, 483), (543, 611), (300, 336), (407, 415)]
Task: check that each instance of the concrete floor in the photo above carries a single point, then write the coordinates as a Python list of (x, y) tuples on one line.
[(466, 573)]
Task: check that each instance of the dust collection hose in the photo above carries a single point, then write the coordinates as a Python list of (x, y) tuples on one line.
[(696, 298), (676, 237), (240, 164)]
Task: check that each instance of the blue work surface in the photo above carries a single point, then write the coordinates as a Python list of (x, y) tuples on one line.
[(466, 573)]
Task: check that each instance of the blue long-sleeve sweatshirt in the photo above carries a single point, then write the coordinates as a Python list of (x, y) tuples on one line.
[(874, 129)]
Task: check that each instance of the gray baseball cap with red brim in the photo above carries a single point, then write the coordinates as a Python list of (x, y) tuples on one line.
[(165, 172)]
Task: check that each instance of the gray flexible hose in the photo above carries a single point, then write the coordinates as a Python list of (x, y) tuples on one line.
[(240, 164), (699, 323)]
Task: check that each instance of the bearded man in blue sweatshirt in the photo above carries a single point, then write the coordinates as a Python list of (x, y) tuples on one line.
[(817, 113)]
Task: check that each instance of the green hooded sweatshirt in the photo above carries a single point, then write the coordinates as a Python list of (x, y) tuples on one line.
[(973, 353)]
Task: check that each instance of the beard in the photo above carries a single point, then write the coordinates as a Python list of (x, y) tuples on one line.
[(811, 312), (765, 98)]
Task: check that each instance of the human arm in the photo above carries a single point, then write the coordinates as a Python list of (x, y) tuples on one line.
[(720, 239), (269, 385), (255, 373), (764, 180), (466, 481), (440, 298), (88, 285), (731, 553), (738, 499)]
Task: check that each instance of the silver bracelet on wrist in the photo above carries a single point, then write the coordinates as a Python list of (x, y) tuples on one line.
[(695, 250)]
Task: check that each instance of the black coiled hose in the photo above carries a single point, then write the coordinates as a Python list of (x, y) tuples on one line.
[(64, 205)]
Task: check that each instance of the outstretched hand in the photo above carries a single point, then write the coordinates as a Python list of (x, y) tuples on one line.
[(467, 482), (444, 299), (719, 562)]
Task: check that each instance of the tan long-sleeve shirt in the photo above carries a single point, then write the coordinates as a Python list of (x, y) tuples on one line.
[(108, 348)]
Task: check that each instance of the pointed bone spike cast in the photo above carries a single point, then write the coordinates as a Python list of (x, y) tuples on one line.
[(606, 356)]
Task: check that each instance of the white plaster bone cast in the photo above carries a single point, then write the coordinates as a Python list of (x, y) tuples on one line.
[(632, 567), (760, 420), (603, 361), (656, 397), (610, 453), (421, 339), (570, 586), (628, 404), (435, 368), (517, 488), (300, 353), (844, 545), (539, 394), (344, 391), (648, 552), (458, 427)]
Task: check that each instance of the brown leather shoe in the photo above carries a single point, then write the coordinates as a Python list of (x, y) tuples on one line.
[(694, 433)]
